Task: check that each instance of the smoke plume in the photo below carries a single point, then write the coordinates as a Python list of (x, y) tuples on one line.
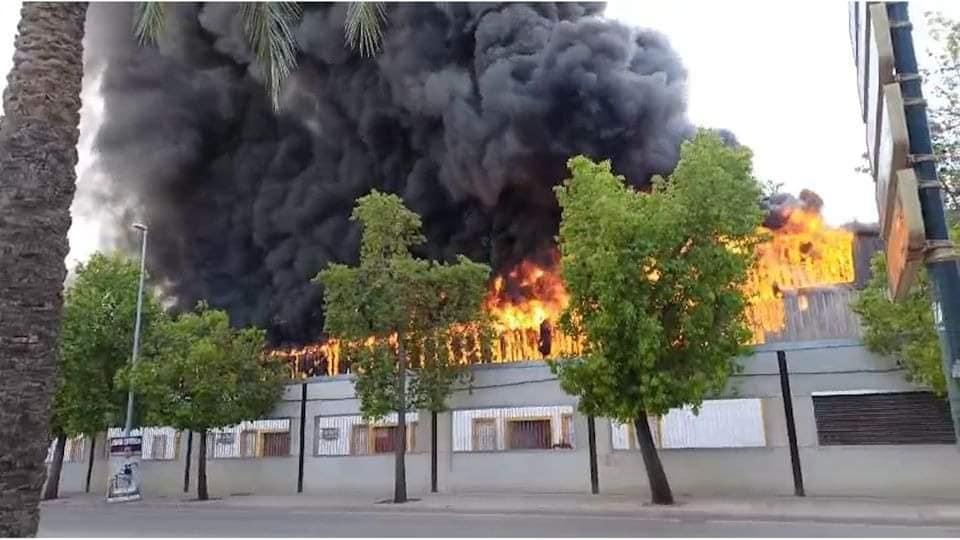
[(469, 113)]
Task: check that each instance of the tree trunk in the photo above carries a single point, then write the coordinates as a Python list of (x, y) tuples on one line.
[(400, 448), (93, 447), (186, 469), (52, 489), (433, 451), (38, 158), (202, 468), (659, 487)]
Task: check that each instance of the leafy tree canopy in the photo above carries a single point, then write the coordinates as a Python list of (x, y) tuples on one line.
[(655, 279), (390, 294), (203, 374), (96, 339)]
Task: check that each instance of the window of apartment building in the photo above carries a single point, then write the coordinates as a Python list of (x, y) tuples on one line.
[(513, 428), (722, 423), (351, 435), (865, 418)]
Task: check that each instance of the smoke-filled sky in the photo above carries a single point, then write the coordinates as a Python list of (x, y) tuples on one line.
[(781, 80), (752, 73)]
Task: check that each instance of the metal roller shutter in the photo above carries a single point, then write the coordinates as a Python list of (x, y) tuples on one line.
[(887, 418)]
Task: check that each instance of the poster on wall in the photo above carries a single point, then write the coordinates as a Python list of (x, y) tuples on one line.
[(124, 482)]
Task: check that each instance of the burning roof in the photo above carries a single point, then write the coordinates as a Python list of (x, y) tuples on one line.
[(806, 276)]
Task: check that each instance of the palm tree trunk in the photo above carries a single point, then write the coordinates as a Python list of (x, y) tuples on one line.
[(202, 468), (659, 487), (38, 157), (400, 448), (52, 490)]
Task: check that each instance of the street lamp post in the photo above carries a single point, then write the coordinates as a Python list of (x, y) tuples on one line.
[(136, 328)]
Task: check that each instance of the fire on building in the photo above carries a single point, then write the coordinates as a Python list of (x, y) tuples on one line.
[(800, 289)]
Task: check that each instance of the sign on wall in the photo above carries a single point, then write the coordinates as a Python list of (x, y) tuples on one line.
[(906, 239)]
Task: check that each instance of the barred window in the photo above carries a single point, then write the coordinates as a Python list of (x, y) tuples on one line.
[(351, 435), (159, 443), (250, 439), (722, 423), (528, 434), (513, 428)]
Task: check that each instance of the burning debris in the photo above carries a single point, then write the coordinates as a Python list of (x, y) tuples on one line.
[(804, 262)]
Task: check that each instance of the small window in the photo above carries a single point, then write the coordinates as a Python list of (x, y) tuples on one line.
[(566, 431), (276, 444), (484, 434), (529, 434), (248, 443), (158, 447), (384, 439), (359, 440)]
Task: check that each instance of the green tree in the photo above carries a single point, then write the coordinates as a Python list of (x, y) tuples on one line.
[(655, 285), (397, 314), (100, 307), (942, 77), (903, 330), (202, 374)]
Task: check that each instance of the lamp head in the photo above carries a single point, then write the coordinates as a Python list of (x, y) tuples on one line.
[(140, 226)]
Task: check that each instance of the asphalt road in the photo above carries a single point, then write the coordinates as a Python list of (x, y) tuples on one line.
[(151, 521)]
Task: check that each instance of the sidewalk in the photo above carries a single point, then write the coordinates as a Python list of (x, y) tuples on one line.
[(820, 509)]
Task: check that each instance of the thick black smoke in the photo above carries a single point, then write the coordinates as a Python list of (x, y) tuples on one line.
[(470, 113)]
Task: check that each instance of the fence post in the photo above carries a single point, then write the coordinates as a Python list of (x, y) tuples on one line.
[(594, 473), (303, 430), (791, 424)]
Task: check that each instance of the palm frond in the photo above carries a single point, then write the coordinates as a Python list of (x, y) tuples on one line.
[(364, 26), (148, 21), (269, 30)]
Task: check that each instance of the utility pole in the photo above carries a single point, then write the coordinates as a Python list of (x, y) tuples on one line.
[(909, 195), (941, 256), (136, 328)]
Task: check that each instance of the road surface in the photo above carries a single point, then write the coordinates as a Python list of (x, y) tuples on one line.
[(139, 520)]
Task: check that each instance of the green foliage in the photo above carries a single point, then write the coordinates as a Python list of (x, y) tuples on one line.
[(942, 82), (655, 279), (96, 340), (202, 374), (392, 294), (904, 330)]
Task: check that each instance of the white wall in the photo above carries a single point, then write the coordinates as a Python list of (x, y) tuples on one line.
[(762, 467)]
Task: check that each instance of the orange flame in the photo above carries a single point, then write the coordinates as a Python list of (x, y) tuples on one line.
[(526, 302), (803, 253)]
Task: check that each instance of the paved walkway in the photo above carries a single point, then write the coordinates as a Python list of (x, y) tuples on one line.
[(820, 509)]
